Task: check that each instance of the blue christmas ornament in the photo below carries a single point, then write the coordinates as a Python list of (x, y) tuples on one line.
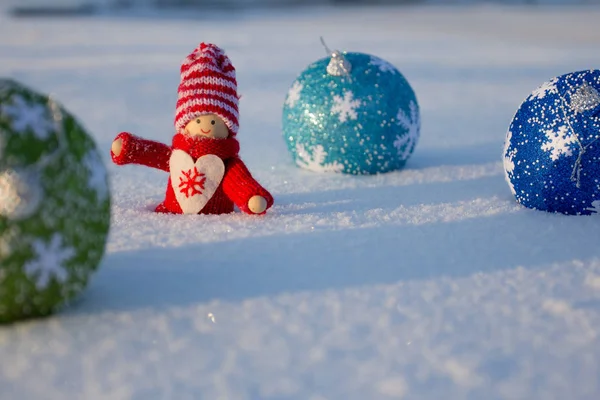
[(352, 113), (552, 148)]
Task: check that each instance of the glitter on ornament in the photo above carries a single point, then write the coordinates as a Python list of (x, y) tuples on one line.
[(353, 113), (585, 98), (552, 148)]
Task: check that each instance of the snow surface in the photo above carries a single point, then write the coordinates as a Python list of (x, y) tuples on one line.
[(427, 283)]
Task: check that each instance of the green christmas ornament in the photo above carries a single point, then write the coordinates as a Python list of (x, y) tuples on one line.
[(54, 204)]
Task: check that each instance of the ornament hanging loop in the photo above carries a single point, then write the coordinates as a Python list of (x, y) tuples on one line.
[(327, 49), (585, 98), (580, 102), (576, 174), (338, 65)]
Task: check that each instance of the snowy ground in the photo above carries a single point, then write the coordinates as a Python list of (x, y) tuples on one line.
[(427, 283)]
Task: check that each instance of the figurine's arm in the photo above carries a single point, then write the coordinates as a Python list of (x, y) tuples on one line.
[(130, 149), (244, 190)]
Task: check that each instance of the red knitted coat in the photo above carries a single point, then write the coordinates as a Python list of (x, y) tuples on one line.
[(236, 187)]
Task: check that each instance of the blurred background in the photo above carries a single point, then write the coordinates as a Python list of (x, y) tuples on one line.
[(62, 7)]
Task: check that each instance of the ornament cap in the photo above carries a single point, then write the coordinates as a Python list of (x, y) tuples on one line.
[(338, 65), (584, 98)]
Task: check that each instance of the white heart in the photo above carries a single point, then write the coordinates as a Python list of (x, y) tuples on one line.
[(194, 183)]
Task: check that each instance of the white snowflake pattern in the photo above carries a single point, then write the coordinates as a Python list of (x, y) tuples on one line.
[(544, 89), (316, 161), (559, 143), (294, 94), (383, 65), (345, 106), (405, 144), (49, 262), (509, 164), (25, 116), (97, 178), (595, 208)]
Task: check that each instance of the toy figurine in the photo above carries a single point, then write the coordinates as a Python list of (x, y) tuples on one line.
[(206, 174)]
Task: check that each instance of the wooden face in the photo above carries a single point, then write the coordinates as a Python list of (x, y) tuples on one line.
[(208, 125)]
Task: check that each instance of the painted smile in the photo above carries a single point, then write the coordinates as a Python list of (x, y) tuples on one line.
[(205, 132)]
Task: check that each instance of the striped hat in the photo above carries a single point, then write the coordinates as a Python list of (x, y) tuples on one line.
[(208, 86)]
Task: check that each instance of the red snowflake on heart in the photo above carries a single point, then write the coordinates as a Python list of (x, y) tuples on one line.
[(191, 181)]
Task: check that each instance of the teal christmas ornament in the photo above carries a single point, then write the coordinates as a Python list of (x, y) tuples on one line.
[(552, 148), (352, 113), (54, 204)]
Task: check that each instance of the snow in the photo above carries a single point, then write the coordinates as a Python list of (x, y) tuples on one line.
[(345, 106), (425, 283), (559, 142), (49, 262)]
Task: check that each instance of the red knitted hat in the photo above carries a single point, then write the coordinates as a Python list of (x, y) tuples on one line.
[(208, 86)]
